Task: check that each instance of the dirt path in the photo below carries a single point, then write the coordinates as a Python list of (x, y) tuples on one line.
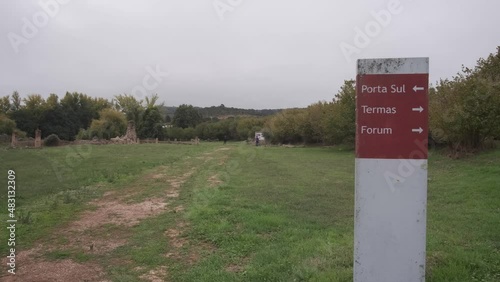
[(106, 226)]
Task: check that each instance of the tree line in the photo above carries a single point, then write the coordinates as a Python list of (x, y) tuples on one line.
[(223, 111), (464, 115), (465, 110), (78, 115)]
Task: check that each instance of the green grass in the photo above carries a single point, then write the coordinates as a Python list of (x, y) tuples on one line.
[(280, 214), (54, 184), (287, 215), (284, 215), (464, 219)]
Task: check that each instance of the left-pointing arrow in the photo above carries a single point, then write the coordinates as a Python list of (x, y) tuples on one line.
[(416, 88), (417, 130)]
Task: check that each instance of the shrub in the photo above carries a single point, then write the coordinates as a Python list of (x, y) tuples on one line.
[(83, 134), (7, 126), (52, 140), (111, 124)]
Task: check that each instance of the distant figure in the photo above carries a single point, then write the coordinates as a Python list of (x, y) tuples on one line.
[(225, 139), (257, 141)]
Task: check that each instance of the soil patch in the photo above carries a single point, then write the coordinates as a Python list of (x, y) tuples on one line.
[(155, 275), (30, 269), (118, 213), (214, 180)]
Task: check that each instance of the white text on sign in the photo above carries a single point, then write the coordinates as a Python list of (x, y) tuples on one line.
[(378, 110), (394, 89), (376, 130)]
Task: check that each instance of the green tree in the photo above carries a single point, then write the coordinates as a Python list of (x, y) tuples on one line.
[(56, 120), (342, 121), (34, 102), (111, 123), (286, 126), (186, 116), (79, 110), (16, 101), (52, 101), (247, 126), (151, 101), (464, 111), (28, 117), (5, 105), (322, 122), (314, 129), (7, 126), (151, 120), (131, 107), (152, 124), (168, 119)]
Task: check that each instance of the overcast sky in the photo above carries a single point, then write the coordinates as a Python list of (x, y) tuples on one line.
[(241, 53)]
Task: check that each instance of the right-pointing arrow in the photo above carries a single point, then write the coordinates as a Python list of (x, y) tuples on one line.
[(419, 109), (417, 130), (416, 88)]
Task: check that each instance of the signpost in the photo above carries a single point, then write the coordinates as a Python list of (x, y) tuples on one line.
[(391, 169)]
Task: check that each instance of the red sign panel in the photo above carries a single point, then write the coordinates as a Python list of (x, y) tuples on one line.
[(392, 116)]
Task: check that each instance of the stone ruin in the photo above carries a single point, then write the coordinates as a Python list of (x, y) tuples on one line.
[(13, 141), (130, 136), (30, 142), (38, 138)]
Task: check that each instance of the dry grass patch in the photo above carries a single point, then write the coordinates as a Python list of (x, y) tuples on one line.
[(115, 212), (32, 268), (155, 275), (214, 180)]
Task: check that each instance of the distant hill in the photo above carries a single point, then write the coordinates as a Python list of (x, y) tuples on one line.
[(223, 111)]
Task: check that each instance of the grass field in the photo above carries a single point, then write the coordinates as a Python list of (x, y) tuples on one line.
[(228, 213)]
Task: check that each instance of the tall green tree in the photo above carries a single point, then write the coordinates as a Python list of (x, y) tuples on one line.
[(151, 101), (57, 120), (130, 106), (464, 111), (186, 116), (29, 116), (79, 110), (152, 120), (16, 101), (5, 106), (152, 124), (343, 122)]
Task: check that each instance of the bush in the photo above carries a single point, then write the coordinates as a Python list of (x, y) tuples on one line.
[(83, 134), (328, 123), (464, 111), (52, 140), (7, 126), (111, 124)]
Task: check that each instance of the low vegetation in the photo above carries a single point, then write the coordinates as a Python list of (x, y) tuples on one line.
[(230, 213), (51, 140)]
